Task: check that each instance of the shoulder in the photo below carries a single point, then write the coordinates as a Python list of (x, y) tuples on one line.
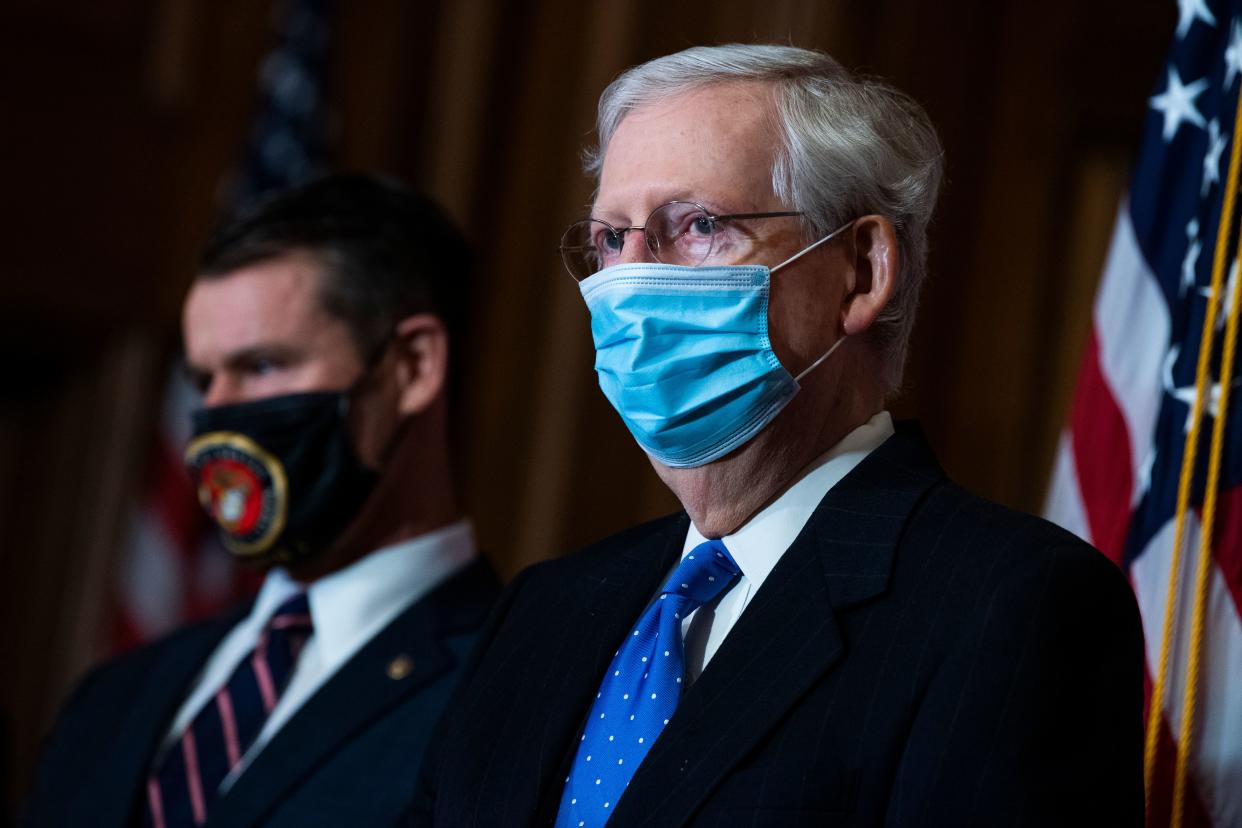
[(119, 678), (984, 529), (593, 558), (94, 723), (1015, 563)]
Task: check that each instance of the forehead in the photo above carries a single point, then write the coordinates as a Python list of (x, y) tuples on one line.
[(273, 300), (715, 143)]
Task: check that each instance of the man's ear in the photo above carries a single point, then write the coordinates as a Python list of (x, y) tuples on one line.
[(876, 259), (422, 353)]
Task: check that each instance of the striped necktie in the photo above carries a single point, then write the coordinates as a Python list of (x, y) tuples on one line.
[(185, 779), (640, 690)]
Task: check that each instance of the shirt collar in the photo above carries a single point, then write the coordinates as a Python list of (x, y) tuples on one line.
[(350, 606), (758, 544)]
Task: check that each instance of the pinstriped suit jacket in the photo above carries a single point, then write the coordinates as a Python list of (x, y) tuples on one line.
[(917, 657)]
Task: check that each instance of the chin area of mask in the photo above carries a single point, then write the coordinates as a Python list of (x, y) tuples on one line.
[(280, 476)]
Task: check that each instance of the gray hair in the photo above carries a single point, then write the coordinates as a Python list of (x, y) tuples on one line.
[(850, 146)]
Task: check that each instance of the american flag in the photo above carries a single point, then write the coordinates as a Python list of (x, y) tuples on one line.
[(174, 569), (1150, 468)]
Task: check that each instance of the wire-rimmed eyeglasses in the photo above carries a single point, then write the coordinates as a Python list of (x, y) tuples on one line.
[(677, 233)]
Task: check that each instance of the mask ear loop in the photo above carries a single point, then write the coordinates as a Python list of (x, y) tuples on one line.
[(794, 258), (806, 250), (808, 369)]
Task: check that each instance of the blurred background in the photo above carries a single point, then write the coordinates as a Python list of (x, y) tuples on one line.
[(126, 121)]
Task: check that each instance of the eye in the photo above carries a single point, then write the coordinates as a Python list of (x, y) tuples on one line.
[(613, 241), (262, 365), (607, 242), (703, 226), (200, 380)]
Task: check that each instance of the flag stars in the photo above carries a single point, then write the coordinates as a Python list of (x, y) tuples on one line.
[(1191, 262), (1211, 159), (1177, 104), (1233, 54), (1188, 11), (1149, 463), (1186, 394), (1223, 311)]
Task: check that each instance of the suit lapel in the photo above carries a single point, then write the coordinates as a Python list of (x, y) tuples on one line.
[(121, 782), (603, 609), (788, 637), (393, 666)]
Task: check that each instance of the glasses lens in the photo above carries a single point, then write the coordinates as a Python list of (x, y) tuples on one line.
[(682, 233), (589, 246)]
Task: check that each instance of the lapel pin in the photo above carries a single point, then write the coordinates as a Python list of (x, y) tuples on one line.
[(400, 667)]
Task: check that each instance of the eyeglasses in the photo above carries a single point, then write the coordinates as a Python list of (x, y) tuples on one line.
[(677, 233)]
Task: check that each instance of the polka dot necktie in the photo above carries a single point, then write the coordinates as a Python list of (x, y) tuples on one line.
[(184, 780), (640, 690)]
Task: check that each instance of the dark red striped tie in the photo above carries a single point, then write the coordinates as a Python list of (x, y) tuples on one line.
[(184, 780)]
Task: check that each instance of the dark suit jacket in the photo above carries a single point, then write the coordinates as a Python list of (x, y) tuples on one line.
[(347, 757), (918, 656)]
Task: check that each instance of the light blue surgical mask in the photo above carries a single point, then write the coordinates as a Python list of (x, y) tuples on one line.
[(683, 354)]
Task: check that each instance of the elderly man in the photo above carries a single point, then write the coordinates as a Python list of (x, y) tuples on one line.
[(832, 632), (320, 331)]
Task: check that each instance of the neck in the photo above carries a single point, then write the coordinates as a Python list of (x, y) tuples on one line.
[(414, 496), (722, 496)]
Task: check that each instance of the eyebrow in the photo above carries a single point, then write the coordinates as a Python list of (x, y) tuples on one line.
[(243, 357), (677, 195)]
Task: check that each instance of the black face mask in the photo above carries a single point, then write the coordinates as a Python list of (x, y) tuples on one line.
[(279, 476)]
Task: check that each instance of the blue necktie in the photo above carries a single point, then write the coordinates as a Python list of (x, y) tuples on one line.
[(640, 690)]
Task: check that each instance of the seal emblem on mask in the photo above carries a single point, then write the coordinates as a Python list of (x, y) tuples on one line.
[(242, 487)]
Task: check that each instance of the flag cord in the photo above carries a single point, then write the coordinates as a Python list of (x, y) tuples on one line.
[(1202, 382), (1203, 565)]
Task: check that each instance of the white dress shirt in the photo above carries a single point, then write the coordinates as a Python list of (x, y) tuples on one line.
[(348, 608), (759, 543)]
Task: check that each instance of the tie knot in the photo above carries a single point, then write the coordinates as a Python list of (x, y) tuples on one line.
[(703, 574), (293, 614)]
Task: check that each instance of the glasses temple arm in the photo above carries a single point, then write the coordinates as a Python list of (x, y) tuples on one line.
[(806, 250)]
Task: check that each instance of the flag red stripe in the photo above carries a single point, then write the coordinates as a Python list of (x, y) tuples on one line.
[(1101, 445), (1228, 542), (174, 500)]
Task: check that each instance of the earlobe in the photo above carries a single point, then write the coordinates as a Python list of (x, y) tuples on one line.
[(876, 260), (422, 351)]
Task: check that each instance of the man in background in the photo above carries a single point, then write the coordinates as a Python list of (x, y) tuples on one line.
[(832, 632), (324, 331)]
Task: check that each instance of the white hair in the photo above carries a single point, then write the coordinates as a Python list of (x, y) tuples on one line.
[(850, 146)]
